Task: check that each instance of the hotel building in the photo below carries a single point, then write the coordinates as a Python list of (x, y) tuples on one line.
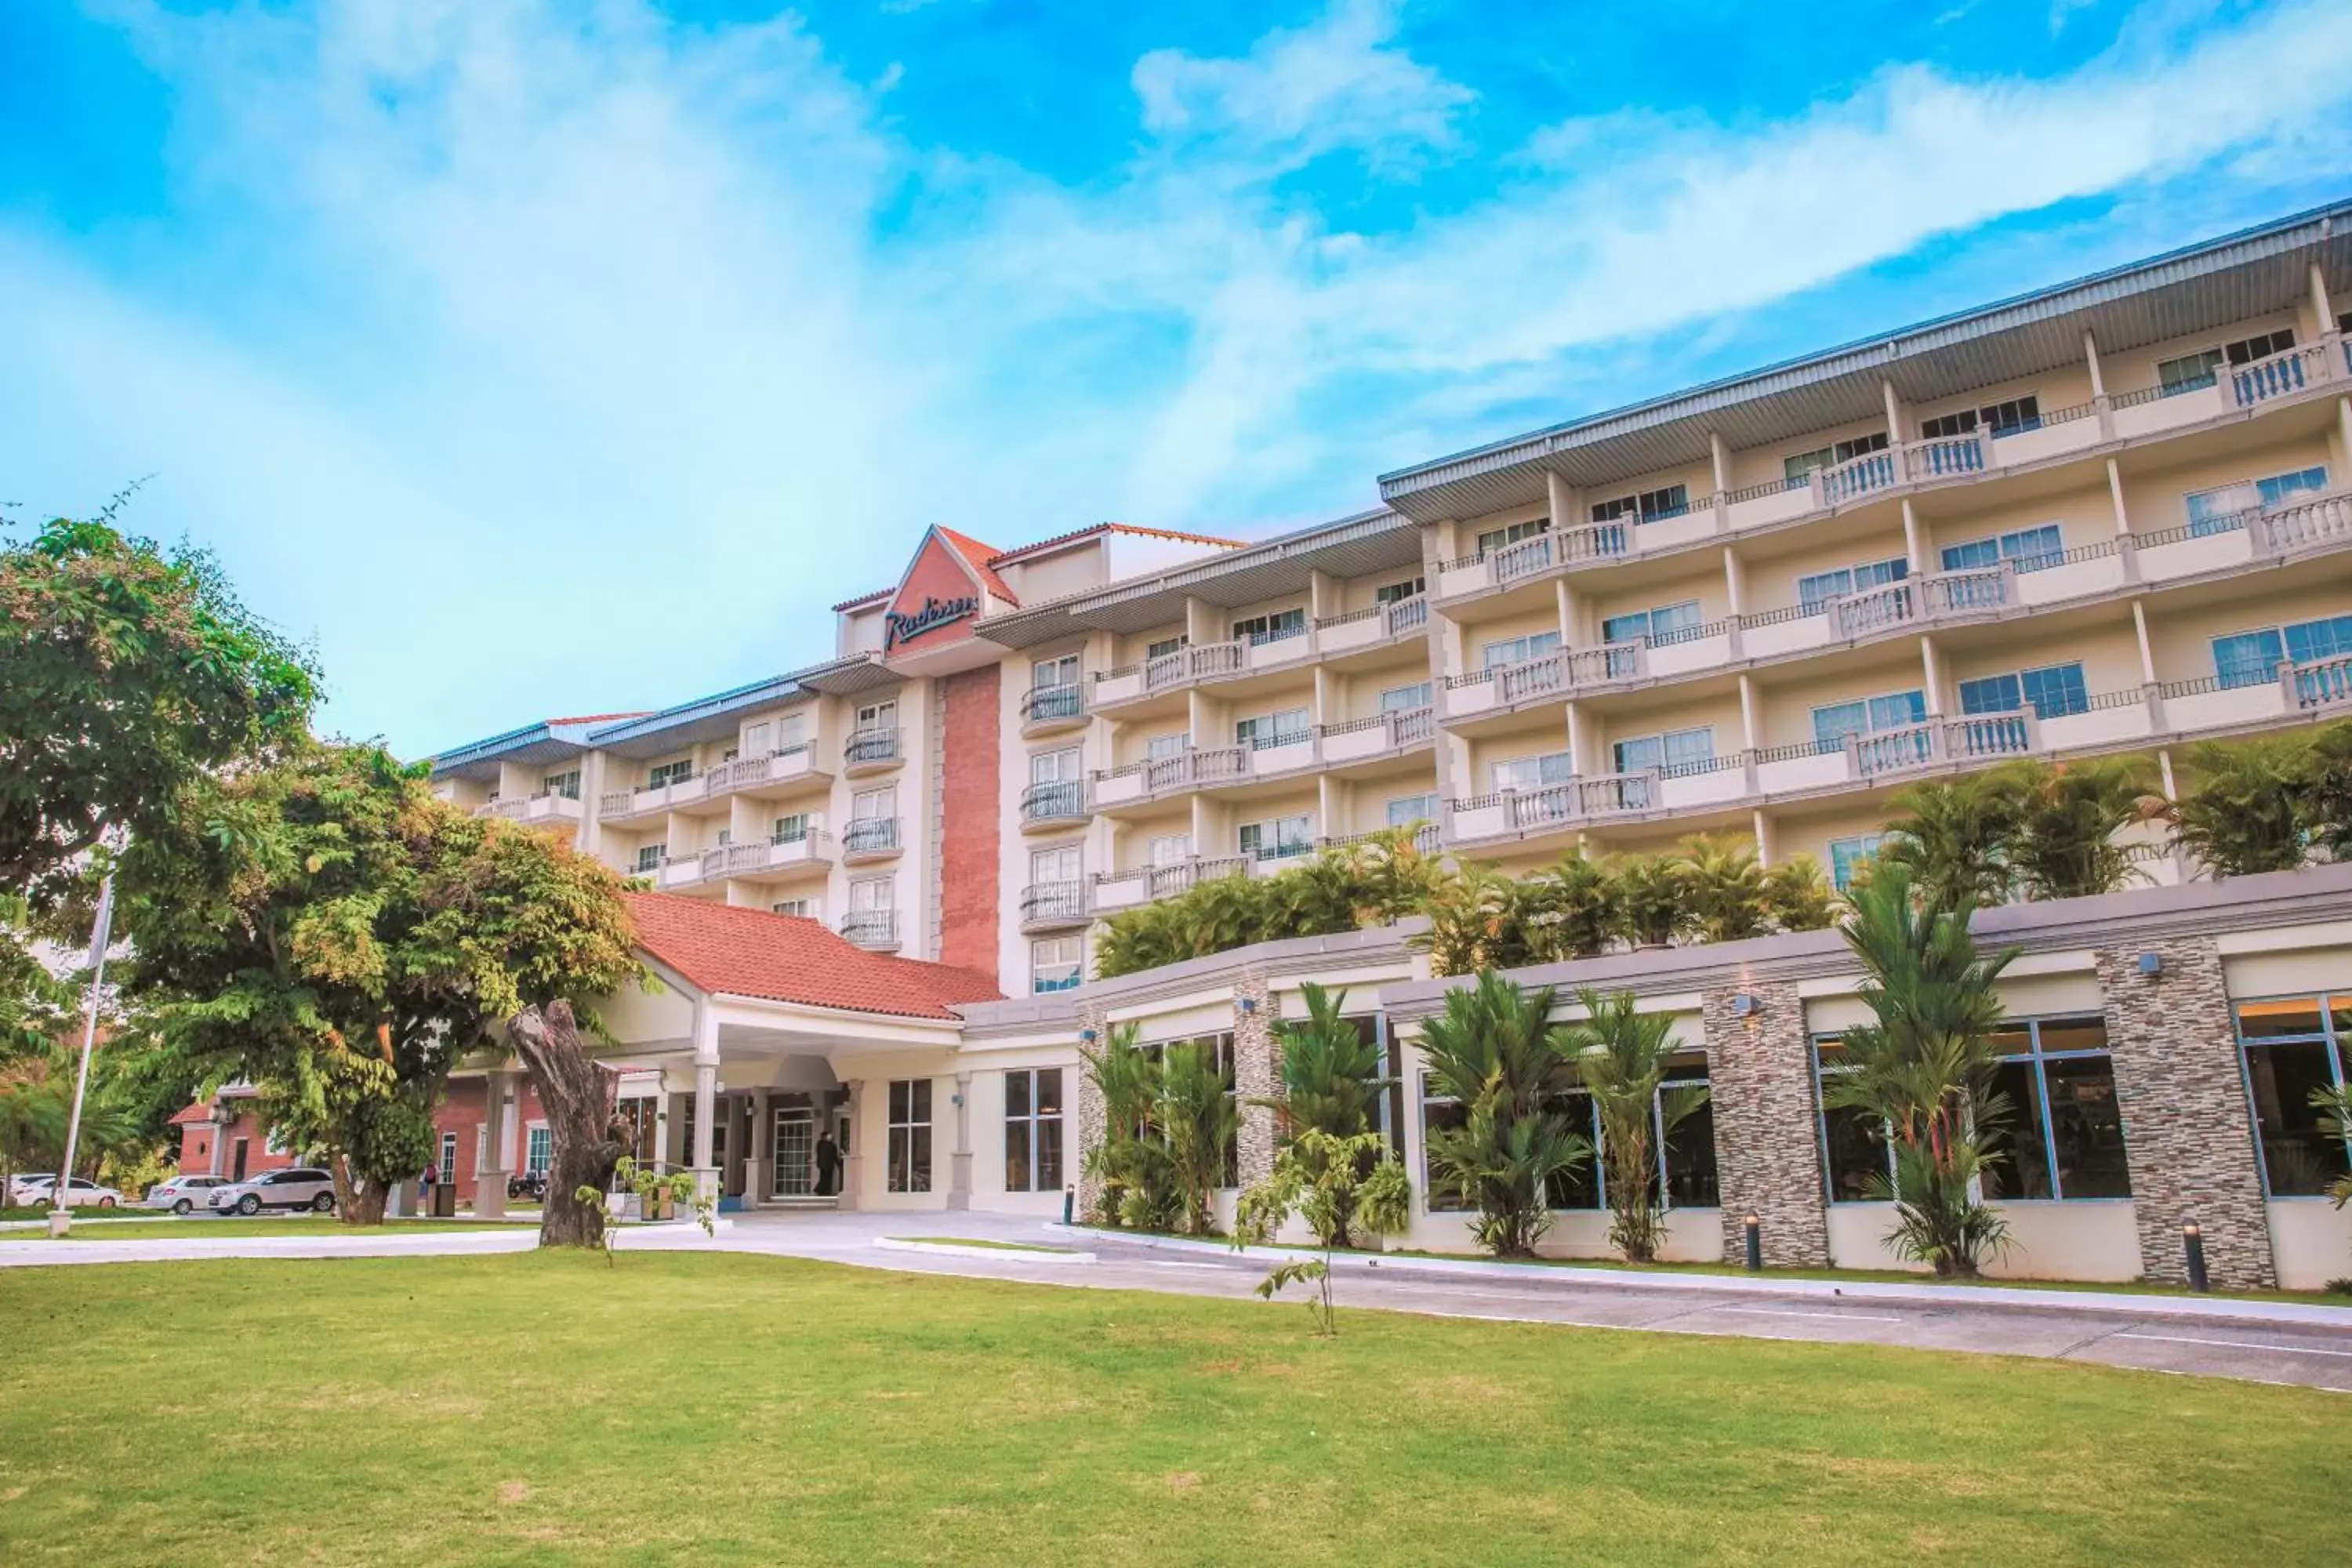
[(2111, 516)]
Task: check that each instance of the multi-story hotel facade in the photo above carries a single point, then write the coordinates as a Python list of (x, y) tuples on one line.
[(2111, 516)]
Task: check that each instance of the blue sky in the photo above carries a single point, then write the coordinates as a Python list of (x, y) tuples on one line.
[(541, 358)]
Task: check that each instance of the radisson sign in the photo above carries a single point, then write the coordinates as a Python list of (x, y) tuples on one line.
[(936, 613)]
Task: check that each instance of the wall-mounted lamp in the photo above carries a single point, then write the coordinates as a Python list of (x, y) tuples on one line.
[(955, 1099), (1087, 1036), (1248, 1005), (1746, 1005), (2151, 964)]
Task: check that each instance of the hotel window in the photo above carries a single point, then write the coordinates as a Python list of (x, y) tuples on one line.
[(755, 739), (1532, 773), (1169, 849), (2221, 509), (791, 733), (790, 829), (1407, 810), (1648, 506), (1518, 650), (1405, 698), (805, 909), (1165, 646), (1665, 624), (877, 716), (2292, 1047), (668, 772), (1798, 467), (1390, 593), (650, 857), (1855, 1154), (2253, 658), (1867, 716), (2004, 418), (2261, 345), (1438, 1113), (566, 784), (1056, 867), (1274, 628), (1494, 539), (1286, 728), (1279, 838), (1816, 588), (2052, 693), (1033, 1130), (1848, 856), (726, 836), (1055, 963), (538, 1149), (1674, 753), (1061, 671), (909, 1152), (2065, 1136), (1054, 779), (1219, 1049), (1159, 748), (449, 1171), (2031, 548)]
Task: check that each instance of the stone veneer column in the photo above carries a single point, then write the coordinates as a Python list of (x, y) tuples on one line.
[(1089, 1107), (2188, 1135), (1258, 1074), (1767, 1154)]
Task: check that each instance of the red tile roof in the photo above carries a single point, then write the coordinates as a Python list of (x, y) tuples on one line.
[(1138, 528), (785, 958), (977, 556), (202, 1110)]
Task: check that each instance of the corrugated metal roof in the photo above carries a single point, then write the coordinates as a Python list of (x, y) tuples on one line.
[(2252, 273), (549, 741)]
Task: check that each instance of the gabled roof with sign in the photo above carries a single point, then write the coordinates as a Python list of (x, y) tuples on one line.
[(978, 556), (732, 950)]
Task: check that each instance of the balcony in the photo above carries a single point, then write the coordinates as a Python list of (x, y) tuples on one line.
[(648, 800), (1053, 906), (1381, 736), (1057, 803), (871, 752), (1377, 627), (542, 809), (869, 839), (873, 930), (1201, 664), (1047, 708), (772, 773), (774, 858), (2316, 370), (1117, 890), (1426, 839)]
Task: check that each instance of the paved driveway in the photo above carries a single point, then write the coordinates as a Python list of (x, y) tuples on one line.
[(2272, 1344)]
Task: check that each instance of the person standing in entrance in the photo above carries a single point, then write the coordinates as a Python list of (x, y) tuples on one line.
[(828, 1166)]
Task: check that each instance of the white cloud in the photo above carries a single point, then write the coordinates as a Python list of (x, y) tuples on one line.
[(656, 339)]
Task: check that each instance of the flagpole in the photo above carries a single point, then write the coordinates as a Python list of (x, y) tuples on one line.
[(61, 1194)]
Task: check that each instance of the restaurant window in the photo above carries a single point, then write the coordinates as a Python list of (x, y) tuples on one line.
[(909, 1151), (2292, 1047), (1032, 1130), (2064, 1135)]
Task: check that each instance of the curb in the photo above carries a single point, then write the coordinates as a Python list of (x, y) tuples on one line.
[(1009, 1254), (1540, 1275)]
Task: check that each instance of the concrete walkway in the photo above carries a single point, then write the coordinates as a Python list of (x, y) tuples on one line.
[(2283, 1342)]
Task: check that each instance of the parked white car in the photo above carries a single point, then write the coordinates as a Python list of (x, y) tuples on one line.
[(25, 1183), (299, 1188), (182, 1194), (80, 1194)]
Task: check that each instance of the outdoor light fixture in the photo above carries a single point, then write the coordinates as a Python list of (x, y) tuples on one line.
[(1087, 1036), (2151, 964), (1746, 1005)]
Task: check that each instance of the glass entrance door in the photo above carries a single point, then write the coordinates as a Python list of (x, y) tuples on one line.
[(795, 1152)]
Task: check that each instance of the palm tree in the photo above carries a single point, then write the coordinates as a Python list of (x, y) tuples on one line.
[(1490, 1052), (1568, 909), (1955, 838), (1924, 1065), (1145, 937), (1131, 1162), (2327, 797), (1391, 875), (1198, 1119), (1330, 1071), (1728, 893), (1477, 920), (2244, 812), (2067, 818), (2334, 1104), (1798, 897), (1621, 1054), (1652, 894)]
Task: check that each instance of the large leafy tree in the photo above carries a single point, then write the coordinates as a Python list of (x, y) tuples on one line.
[(125, 676), (324, 928)]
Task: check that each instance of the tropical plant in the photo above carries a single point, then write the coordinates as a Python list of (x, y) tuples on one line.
[(1391, 875), (1799, 896), (1621, 1055), (1198, 1121), (1489, 1051), (2334, 1104), (1331, 1082), (2328, 791), (1729, 893), (32, 1124), (1924, 1065), (1568, 910), (1652, 896), (1477, 921), (2244, 810), (653, 1189), (1955, 838), (1134, 1181), (2063, 844), (1331, 1182)]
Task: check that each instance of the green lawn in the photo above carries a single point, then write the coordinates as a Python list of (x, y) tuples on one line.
[(149, 1229), (712, 1408)]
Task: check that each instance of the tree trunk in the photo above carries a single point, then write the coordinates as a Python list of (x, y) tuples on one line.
[(356, 1202), (576, 1092)]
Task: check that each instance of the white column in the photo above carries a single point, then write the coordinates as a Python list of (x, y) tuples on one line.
[(1735, 582), (2091, 359), (1575, 740), (1932, 670), (1564, 601), (706, 1095), (1761, 825), (757, 1181), (853, 1158), (2146, 648), (498, 1115), (2116, 497), (1750, 730), (1914, 551), (1895, 437), (1560, 498), (2319, 301), (1719, 453), (959, 1162)]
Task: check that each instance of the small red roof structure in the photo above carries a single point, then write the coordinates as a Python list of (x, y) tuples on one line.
[(202, 1110), (785, 958), (977, 556)]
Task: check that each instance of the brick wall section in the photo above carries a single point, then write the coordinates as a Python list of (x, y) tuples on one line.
[(198, 1141), (1257, 1075), (1088, 1105), (463, 1109), (2187, 1134), (1765, 1149), (970, 715)]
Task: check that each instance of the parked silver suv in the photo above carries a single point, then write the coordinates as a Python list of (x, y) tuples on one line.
[(301, 1188)]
